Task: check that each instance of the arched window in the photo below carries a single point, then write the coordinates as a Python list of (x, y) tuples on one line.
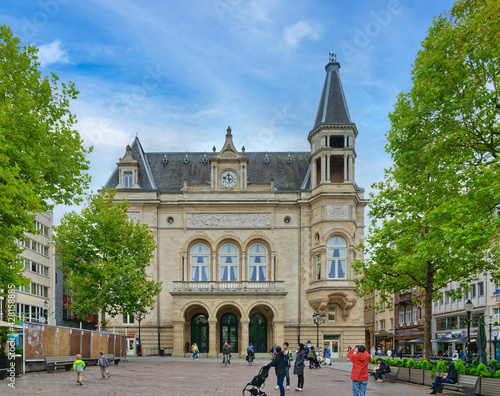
[(336, 258), (200, 263), (257, 263), (228, 263)]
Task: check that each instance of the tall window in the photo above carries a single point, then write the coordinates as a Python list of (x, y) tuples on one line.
[(331, 314), (480, 289), (408, 315), (401, 316), (318, 267), (336, 258), (228, 262), (200, 263), (128, 319), (414, 314), (257, 263), (127, 176)]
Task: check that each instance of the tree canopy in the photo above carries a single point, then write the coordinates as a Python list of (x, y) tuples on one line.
[(106, 257), (42, 160), (434, 216)]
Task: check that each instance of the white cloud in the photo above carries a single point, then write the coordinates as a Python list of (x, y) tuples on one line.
[(292, 34), (49, 54)]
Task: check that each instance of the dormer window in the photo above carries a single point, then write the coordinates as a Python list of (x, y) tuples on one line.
[(127, 179)]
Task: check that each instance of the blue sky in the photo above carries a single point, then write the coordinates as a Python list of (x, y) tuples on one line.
[(177, 73)]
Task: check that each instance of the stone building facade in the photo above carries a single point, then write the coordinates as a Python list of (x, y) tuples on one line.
[(251, 244)]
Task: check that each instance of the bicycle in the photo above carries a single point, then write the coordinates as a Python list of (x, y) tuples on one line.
[(250, 359)]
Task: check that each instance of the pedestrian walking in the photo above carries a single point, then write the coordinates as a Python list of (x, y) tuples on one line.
[(298, 368), (278, 363), (195, 351), (328, 355), (103, 364), (359, 374), (393, 353), (288, 363), (79, 366)]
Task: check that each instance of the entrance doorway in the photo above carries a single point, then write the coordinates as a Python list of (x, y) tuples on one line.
[(199, 332), (332, 342), (258, 332), (229, 331), (130, 346)]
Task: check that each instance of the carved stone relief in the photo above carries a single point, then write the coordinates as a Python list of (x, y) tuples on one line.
[(337, 212), (229, 220)]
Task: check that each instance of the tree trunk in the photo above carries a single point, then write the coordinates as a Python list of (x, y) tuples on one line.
[(5, 295), (103, 319), (429, 283)]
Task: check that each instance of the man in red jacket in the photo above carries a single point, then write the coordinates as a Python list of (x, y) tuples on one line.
[(359, 374)]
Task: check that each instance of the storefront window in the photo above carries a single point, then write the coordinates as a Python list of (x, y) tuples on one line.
[(452, 323), (441, 324)]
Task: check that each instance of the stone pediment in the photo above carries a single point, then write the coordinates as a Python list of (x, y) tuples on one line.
[(128, 159), (229, 152)]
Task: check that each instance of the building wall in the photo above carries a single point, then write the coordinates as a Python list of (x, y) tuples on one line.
[(37, 255)]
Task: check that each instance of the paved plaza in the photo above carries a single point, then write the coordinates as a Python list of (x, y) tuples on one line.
[(168, 376)]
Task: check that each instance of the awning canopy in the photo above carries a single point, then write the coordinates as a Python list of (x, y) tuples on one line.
[(7, 325)]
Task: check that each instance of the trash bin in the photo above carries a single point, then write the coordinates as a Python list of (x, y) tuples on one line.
[(162, 352)]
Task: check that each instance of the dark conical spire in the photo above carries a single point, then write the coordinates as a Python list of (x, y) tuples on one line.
[(332, 107)]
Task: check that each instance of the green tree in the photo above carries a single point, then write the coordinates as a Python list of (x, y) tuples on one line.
[(42, 160), (106, 258), (434, 215)]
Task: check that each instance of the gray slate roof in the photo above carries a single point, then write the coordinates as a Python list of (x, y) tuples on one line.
[(154, 174), (332, 107)]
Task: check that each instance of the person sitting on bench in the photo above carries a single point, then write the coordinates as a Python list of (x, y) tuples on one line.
[(382, 368), (450, 378)]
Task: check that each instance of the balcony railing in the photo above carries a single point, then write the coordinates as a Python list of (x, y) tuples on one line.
[(242, 286)]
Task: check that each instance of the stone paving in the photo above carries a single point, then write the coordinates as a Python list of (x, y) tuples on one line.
[(182, 376)]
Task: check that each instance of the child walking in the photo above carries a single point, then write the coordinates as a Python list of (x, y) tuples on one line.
[(103, 363), (78, 366)]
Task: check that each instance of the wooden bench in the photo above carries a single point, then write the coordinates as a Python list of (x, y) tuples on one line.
[(111, 358), (392, 376), (466, 383), (52, 362)]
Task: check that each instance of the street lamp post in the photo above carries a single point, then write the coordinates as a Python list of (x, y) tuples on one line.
[(468, 308), (318, 322), (139, 316), (490, 322)]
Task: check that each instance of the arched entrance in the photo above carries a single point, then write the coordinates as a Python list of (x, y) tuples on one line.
[(258, 332), (199, 332), (229, 331)]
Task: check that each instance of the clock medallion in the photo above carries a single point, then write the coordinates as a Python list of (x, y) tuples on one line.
[(229, 179)]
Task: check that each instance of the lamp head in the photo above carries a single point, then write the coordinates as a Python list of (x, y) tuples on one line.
[(45, 305), (469, 306)]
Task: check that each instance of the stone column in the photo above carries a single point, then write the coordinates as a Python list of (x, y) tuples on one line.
[(351, 168), (323, 168), (313, 174), (214, 267), (345, 141), (273, 256), (179, 341), (345, 167), (244, 272), (184, 267), (245, 339), (212, 338), (279, 332), (328, 172)]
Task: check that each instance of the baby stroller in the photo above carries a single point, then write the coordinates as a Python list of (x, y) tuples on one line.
[(256, 386)]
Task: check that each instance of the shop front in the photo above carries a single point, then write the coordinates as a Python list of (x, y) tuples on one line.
[(384, 343), (410, 344)]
